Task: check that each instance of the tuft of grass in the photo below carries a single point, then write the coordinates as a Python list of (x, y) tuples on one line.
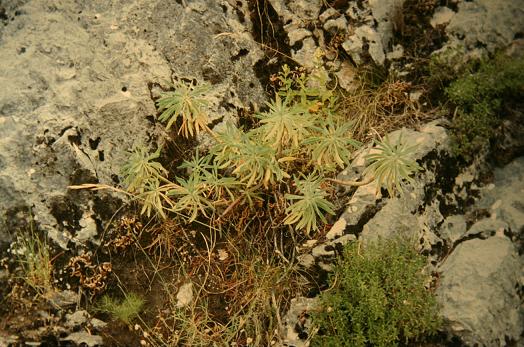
[(380, 107), (378, 298), (239, 294), (125, 310), (33, 255)]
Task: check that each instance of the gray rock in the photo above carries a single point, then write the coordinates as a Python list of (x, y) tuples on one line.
[(354, 45), (486, 23), (293, 322), (347, 76), (384, 12), (395, 218), (339, 25), (396, 53), (97, 323), (297, 35), (64, 298), (360, 14), (374, 29), (79, 97), (184, 295), (328, 249), (478, 292), (84, 338), (298, 11), (328, 14), (504, 197), (306, 54), (337, 230), (486, 228), (453, 228), (442, 16), (76, 318)]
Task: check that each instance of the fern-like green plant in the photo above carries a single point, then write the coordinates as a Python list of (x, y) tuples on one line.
[(392, 164), (330, 146), (309, 206), (189, 103), (125, 310), (220, 187), (285, 124), (140, 169), (198, 165)]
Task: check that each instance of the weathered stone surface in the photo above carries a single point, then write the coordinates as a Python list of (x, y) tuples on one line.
[(453, 228), (294, 325), (504, 197), (81, 78), (184, 295), (299, 11), (83, 338), (478, 292), (442, 16), (486, 23), (395, 218), (327, 14)]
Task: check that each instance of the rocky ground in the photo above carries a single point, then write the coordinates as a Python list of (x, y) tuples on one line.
[(78, 84)]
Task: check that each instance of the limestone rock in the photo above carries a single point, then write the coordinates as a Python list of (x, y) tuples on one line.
[(81, 78), (339, 25), (453, 228), (478, 292), (486, 23), (442, 16), (297, 35), (83, 338), (294, 325), (184, 295), (504, 198), (328, 14), (354, 45), (297, 11)]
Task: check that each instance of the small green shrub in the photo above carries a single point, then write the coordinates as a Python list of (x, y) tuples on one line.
[(378, 298), (125, 310), (479, 98), (445, 66)]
